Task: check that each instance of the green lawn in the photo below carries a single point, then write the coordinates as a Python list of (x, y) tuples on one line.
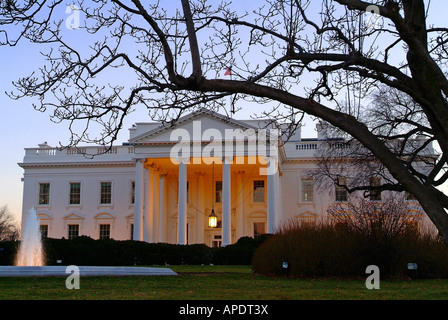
[(217, 283)]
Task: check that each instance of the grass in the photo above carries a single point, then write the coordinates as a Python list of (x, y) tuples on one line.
[(217, 283)]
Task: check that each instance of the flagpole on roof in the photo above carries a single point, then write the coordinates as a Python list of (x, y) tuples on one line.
[(232, 100)]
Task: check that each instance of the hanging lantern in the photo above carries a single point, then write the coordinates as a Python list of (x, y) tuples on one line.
[(212, 220)]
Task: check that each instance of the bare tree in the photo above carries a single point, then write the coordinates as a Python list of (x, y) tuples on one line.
[(300, 56), (8, 226), (387, 217), (401, 124)]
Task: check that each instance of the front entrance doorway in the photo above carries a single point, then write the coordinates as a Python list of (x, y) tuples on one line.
[(216, 239)]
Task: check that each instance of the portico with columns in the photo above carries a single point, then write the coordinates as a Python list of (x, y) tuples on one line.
[(175, 195)]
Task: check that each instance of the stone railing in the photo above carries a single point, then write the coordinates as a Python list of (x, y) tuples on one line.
[(85, 152)]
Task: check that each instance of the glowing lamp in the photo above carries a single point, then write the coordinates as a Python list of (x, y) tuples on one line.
[(212, 220)]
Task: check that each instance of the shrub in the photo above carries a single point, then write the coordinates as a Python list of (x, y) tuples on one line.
[(84, 250), (8, 251), (310, 251), (374, 234)]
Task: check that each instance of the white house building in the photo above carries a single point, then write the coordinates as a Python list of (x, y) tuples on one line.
[(165, 182)]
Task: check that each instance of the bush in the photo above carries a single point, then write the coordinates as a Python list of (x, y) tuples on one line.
[(310, 251), (328, 250), (86, 251), (8, 251)]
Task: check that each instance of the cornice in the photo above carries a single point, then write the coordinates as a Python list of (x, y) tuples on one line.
[(76, 164), (292, 161)]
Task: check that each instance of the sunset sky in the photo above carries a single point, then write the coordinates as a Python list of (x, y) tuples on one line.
[(23, 127)]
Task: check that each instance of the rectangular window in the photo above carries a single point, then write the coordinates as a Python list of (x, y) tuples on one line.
[(104, 231), (44, 193), (259, 191), (375, 195), (73, 231), (75, 193), (106, 193), (307, 190), (132, 192), (218, 191), (132, 231), (340, 190), (259, 228), (44, 230)]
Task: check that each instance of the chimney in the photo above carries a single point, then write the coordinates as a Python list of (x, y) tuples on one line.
[(44, 145), (322, 130)]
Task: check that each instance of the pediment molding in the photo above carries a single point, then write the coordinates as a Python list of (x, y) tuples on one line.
[(105, 216), (147, 137), (73, 216)]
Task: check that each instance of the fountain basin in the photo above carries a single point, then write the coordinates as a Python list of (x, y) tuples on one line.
[(60, 271)]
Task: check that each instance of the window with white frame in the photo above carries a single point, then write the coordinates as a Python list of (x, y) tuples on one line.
[(104, 231), (44, 230), (341, 190), (44, 193), (259, 228), (258, 195), (73, 231), (132, 192), (75, 193), (106, 193), (218, 191), (307, 186)]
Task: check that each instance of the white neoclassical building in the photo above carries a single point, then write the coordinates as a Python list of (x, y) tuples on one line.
[(165, 183)]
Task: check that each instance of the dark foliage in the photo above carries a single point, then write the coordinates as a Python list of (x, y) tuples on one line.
[(328, 250), (84, 250)]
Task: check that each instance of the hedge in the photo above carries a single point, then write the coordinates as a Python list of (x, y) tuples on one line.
[(86, 251)]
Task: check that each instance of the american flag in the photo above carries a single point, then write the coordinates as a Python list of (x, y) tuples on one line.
[(228, 71)]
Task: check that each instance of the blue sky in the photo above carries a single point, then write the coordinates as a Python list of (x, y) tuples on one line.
[(22, 127)]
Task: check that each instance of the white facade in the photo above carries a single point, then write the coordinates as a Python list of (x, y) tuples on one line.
[(141, 191)]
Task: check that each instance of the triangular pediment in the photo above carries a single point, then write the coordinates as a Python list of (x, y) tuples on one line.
[(73, 216), (195, 124)]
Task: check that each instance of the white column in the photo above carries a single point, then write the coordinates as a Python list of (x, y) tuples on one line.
[(226, 203), (149, 213), (162, 211), (200, 208), (182, 204), (155, 206), (138, 200), (279, 202), (272, 216), (240, 204)]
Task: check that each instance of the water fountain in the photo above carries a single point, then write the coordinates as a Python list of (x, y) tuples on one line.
[(30, 259), (30, 251)]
